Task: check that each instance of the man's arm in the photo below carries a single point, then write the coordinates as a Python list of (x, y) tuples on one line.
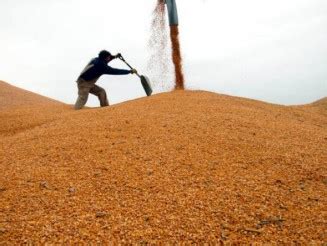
[(116, 71)]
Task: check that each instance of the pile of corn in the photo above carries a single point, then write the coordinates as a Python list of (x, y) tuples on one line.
[(176, 167)]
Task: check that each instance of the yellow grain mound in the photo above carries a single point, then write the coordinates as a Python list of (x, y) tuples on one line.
[(322, 103), (11, 96), (176, 167)]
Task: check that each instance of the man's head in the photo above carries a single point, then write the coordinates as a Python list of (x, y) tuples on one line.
[(105, 55)]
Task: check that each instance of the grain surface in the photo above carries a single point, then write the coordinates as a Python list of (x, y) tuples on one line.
[(186, 166), (11, 97)]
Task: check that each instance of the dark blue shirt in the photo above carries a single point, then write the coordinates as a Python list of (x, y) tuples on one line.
[(97, 67)]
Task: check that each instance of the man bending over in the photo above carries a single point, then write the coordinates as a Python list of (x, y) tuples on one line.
[(91, 73)]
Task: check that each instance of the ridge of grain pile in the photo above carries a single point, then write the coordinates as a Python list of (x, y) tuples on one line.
[(322, 104), (22, 110), (12, 96), (185, 166)]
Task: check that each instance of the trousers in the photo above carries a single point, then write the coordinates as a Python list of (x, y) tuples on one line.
[(86, 87)]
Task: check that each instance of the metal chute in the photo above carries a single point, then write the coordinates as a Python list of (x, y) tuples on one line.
[(172, 12)]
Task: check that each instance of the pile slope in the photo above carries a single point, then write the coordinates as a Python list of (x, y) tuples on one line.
[(22, 110), (321, 104), (12, 96), (181, 166)]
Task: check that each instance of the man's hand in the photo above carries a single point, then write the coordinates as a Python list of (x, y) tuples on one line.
[(118, 55), (133, 71)]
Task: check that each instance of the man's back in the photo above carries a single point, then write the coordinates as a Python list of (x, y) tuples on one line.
[(93, 70)]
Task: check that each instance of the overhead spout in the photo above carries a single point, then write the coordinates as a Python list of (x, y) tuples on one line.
[(172, 12)]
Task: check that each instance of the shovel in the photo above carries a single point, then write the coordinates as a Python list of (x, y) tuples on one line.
[(144, 80)]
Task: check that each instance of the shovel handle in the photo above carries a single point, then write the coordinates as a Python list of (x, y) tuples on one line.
[(122, 58)]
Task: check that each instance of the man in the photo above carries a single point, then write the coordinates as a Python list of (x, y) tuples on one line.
[(91, 73)]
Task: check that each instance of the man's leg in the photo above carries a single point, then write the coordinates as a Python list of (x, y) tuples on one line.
[(101, 94), (83, 94)]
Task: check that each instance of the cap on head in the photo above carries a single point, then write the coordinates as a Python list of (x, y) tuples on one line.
[(104, 54)]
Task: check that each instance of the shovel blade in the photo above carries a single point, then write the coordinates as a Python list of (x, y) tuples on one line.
[(146, 85)]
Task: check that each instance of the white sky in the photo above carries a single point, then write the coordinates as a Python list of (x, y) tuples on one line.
[(274, 51)]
